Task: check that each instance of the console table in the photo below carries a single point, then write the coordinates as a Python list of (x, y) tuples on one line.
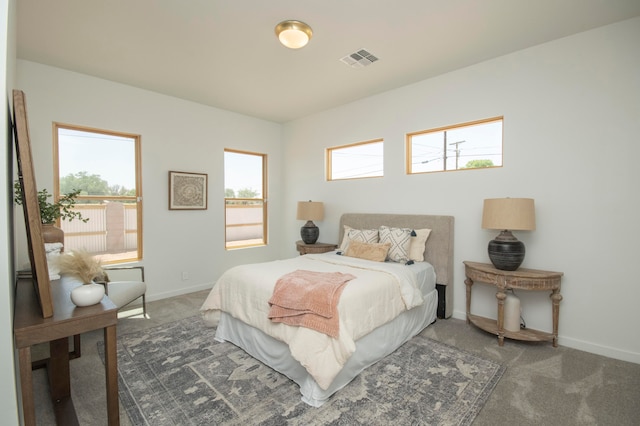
[(522, 279), (30, 328)]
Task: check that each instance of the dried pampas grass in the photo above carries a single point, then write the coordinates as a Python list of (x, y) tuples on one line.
[(80, 264)]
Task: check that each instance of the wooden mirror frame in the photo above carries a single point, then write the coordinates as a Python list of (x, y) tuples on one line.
[(30, 205)]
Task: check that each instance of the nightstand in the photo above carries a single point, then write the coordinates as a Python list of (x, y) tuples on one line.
[(305, 248), (521, 279)]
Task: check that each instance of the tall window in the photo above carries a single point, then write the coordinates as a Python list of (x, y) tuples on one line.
[(105, 167), (245, 183), (359, 160), (465, 146)]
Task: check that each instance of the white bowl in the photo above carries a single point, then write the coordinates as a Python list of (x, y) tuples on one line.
[(87, 294)]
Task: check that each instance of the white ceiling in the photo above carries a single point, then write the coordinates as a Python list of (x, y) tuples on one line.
[(224, 53)]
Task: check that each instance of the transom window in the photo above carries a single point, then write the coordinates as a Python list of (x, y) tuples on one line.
[(355, 161), (245, 183), (464, 146), (105, 167)]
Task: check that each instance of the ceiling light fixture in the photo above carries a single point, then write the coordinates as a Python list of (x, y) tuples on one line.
[(293, 34)]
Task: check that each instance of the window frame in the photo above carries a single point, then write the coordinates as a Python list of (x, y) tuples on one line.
[(138, 179), (409, 146), (263, 199), (329, 159)]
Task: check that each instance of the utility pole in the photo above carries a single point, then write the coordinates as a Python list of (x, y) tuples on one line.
[(444, 150), (457, 149)]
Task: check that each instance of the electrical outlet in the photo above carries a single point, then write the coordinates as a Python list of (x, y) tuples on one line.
[(185, 276)]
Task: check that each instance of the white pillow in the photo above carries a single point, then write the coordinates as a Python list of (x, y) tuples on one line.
[(400, 240), (363, 235), (418, 242)]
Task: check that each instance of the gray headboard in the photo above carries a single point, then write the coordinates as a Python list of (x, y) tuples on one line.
[(438, 250)]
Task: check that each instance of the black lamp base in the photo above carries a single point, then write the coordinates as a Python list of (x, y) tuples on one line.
[(309, 233), (506, 252)]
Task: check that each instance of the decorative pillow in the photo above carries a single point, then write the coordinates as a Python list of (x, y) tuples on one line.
[(370, 251), (345, 238), (362, 235), (418, 242), (400, 240)]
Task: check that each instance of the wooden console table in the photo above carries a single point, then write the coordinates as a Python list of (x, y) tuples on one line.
[(523, 279), (30, 328)]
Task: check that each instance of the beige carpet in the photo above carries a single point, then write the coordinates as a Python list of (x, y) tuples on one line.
[(542, 385)]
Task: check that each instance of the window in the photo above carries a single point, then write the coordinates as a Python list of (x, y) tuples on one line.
[(465, 146), (358, 160), (245, 199), (105, 167)]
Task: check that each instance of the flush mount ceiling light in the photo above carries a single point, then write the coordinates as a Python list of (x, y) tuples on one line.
[(293, 34)]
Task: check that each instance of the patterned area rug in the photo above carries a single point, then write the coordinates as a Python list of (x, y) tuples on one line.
[(177, 374)]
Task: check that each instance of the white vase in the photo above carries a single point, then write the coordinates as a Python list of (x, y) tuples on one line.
[(87, 294)]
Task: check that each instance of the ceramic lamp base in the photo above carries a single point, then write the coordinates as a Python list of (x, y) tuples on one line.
[(309, 233), (506, 252)]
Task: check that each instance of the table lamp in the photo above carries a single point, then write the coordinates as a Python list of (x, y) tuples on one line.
[(310, 211), (508, 214)]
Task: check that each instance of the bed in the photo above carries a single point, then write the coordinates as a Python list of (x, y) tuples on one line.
[(321, 365)]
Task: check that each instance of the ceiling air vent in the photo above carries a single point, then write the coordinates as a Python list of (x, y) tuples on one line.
[(359, 59)]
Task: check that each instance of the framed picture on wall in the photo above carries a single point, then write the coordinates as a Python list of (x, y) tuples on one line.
[(187, 191)]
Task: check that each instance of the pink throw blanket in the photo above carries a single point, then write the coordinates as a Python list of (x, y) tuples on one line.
[(309, 299)]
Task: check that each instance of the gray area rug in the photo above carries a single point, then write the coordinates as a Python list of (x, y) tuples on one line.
[(176, 374)]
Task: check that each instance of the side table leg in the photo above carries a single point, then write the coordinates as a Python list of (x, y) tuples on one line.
[(556, 297), (501, 295), (26, 383), (111, 374), (469, 283)]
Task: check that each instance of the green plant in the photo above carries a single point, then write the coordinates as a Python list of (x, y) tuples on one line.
[(50, 212)]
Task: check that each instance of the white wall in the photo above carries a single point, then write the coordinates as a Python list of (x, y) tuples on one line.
[(8, 370), (176, 135), (571, 125)]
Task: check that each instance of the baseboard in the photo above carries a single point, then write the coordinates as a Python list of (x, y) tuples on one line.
[(582, 345), (594, 348), (179, 291)]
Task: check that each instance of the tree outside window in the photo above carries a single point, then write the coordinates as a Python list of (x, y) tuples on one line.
[(104, 166)]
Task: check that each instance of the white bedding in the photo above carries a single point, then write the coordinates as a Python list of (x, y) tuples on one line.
[(400, 288)]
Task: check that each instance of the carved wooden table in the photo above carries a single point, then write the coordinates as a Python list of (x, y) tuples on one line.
[(30, 328), (522, 279), (304, 248)]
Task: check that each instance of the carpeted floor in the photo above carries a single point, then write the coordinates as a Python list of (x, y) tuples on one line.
[(542, 385), (178, 374)]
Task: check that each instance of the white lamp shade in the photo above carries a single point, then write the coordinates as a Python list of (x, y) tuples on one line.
[(310, 210), (509, 214)]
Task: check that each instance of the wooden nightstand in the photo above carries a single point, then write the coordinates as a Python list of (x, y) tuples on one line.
[(522, 279), (304, 248)]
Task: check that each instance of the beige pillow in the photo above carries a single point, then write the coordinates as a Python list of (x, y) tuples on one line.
[(418, 243), (369, 251)]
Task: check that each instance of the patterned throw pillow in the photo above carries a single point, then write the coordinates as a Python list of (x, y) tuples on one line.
[(363, 235), (400, 239)]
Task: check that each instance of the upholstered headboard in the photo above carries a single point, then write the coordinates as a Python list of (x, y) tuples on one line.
[(438, 250)]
